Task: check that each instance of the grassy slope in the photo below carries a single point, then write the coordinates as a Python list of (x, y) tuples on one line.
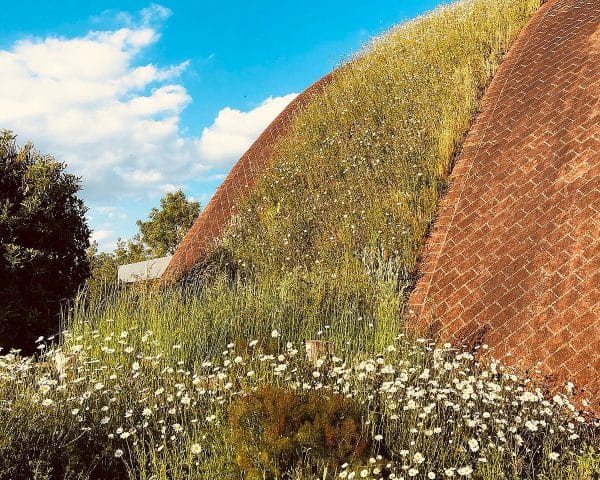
[(332, 234), (327, 242)]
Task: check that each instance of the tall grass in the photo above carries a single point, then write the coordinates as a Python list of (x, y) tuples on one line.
[(331, 235), (203, 319), (359, 177), (198, 381)]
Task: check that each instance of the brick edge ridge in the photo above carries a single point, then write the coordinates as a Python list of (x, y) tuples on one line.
[(191, 249), (434, 243)]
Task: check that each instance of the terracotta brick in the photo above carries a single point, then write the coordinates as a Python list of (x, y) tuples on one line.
[(529, 173)]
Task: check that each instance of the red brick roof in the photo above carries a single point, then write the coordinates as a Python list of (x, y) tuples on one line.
[(513, 260)]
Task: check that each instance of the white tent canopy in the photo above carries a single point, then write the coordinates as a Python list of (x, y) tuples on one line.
[(146, 270)]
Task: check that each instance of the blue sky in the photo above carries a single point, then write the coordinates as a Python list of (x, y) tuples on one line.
[(140, 98)]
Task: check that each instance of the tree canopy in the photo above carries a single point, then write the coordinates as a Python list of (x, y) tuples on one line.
[(166, 227), (43, 242), (159, 235)]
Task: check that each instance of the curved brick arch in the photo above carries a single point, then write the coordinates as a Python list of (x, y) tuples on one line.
[(513, 260), (215, 217)]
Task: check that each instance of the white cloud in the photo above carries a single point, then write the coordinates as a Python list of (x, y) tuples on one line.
[(154, 12), (111, 212), (233, 131), (141, 177), (153, 15), (84, 100), (170, 188), (116, 122), (100, 235)]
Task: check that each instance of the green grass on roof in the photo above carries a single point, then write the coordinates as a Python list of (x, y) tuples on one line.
[(363, 168), (332, 233)]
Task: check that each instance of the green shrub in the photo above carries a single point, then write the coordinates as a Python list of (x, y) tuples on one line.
[(275, 428), (43, 241)]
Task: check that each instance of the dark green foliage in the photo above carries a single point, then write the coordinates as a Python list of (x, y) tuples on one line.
[(43, 242), (74, 455), (102, 284), (274, 428)]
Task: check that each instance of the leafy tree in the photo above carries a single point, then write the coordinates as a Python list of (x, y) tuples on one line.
[(43, 242), (131, 251), (159, 235), (103, 277), (166, 227)]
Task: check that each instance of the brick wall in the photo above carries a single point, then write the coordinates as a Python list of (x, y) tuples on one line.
[(513, 260), (215, 217)]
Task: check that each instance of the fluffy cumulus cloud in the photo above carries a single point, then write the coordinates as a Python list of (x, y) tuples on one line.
[(85, 100), (233, 131), (101, 235), (116, 122)]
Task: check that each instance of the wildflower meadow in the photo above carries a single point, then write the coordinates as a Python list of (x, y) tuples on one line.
[(211, 379), (124, 407)]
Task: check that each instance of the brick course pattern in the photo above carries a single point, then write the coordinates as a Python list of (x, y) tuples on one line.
[(513, 260), (215, 217)]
